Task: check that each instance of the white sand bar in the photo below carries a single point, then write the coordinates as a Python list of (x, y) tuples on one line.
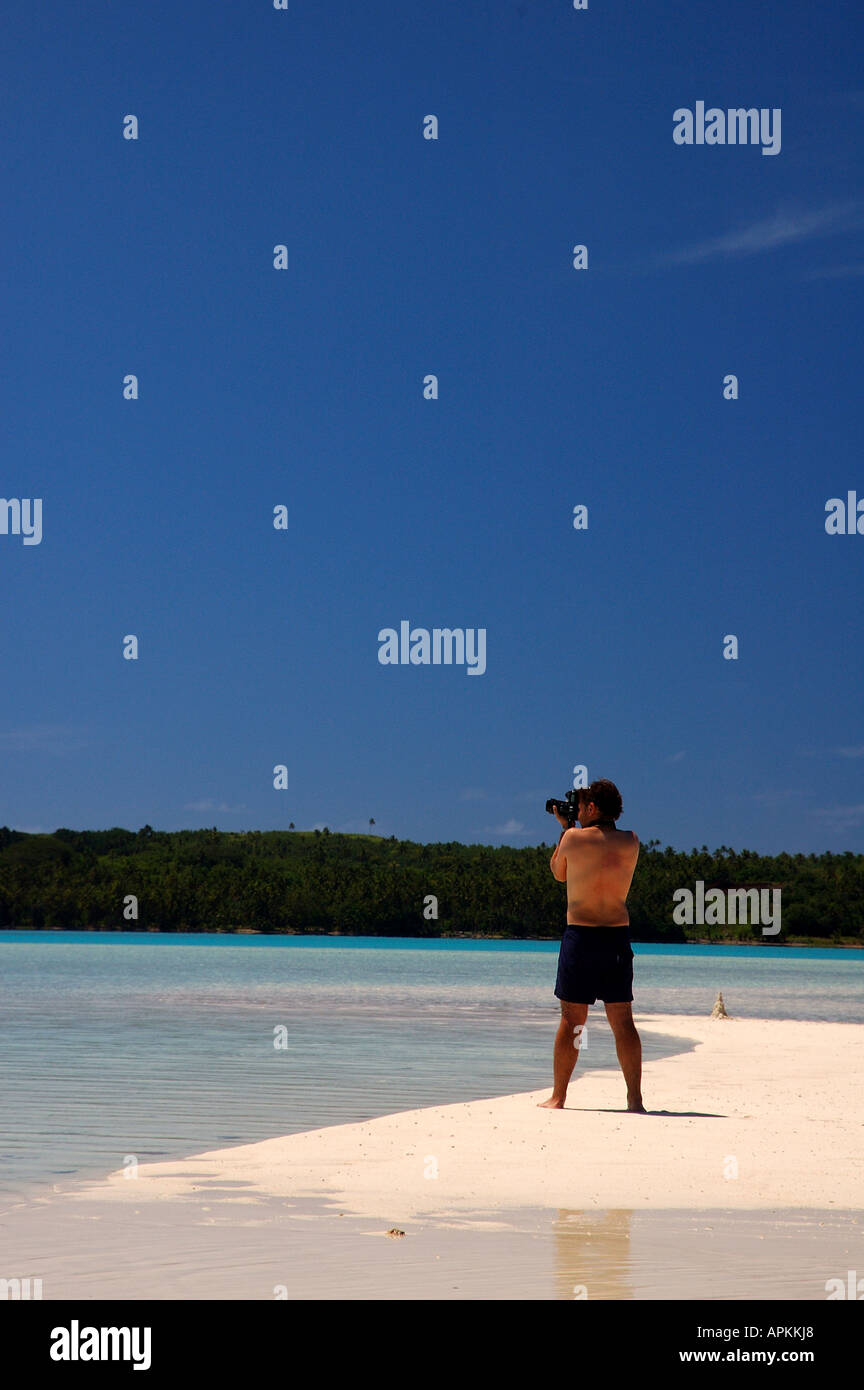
[(756, 1114)]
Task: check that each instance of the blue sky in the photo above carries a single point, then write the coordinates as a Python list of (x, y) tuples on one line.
[(557, 387)]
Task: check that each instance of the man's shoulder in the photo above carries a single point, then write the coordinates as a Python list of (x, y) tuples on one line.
[(576, 833), (580, 830)]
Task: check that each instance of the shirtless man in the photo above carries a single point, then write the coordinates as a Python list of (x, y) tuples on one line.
[(596, 960)]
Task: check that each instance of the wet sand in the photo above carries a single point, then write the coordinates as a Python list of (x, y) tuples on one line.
[(744, 1180), (211, 1248)]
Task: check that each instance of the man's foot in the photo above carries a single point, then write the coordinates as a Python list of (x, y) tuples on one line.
[(550, 1104), (635, 1106)]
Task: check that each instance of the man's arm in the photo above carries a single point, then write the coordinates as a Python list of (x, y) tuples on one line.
[(558, 862)]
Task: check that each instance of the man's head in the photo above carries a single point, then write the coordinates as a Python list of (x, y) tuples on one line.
[(600, 801)]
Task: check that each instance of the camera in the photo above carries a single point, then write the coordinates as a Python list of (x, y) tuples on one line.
[(568, 807)]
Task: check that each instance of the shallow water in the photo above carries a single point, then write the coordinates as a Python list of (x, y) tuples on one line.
[(161, 1046)]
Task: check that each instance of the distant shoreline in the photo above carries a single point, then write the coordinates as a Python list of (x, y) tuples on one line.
[(819, 943), (296, 882)]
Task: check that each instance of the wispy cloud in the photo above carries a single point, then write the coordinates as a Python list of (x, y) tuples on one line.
[(43, 738), (837, 272), (848, 750), (676, 757), (510, 827), (783, 229), (472, 794), (854, 100), (843, 817), (776, 797), (207, 805)]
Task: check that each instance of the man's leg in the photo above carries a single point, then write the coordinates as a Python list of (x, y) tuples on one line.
[(629, 1048), (566, 1051)]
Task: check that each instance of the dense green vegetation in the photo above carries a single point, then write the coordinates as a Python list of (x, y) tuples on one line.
[(298, 881)]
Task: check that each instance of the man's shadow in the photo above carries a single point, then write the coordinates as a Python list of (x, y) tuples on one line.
[(672, 1114)]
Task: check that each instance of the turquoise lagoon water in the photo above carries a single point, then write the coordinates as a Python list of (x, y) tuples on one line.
[(160, 1046)]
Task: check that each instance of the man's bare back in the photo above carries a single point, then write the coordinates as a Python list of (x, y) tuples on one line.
[(597, 864)]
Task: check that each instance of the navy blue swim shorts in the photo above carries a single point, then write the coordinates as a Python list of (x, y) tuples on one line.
[(595, 963)]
